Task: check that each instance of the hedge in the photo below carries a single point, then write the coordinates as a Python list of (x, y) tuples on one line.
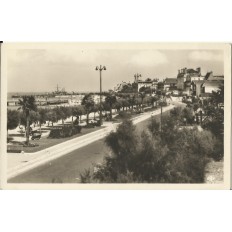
[(63, 132)]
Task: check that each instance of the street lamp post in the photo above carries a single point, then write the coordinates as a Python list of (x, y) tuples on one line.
[(100, 69), (161, 116), (161, 113), (136, 76)]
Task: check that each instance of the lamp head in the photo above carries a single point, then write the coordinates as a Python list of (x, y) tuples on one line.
[(104, 68), (96, 68)]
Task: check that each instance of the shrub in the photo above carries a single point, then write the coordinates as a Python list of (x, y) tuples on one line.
[(90, 125), (153, 157), (25, 144), (12, 119), (124, 115), (63, 132), (9, 139)]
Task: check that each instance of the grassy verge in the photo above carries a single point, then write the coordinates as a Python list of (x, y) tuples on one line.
[(44, 142)]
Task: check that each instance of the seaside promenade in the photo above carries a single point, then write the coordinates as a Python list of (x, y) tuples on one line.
[(20, 163)]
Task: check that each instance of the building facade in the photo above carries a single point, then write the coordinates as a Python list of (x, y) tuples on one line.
[(186, 76)]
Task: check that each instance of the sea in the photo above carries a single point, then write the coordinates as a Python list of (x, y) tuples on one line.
[(10, 94)]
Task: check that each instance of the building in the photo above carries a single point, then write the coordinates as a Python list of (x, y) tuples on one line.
[(12, 102), (197, 87), (145, 84), (212, 82), (204, 88), (148, 83), (186, 76), (96, 98), (210, 77), (170, 84), (210, 86)]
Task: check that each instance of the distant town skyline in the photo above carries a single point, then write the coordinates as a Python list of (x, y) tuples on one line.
[(40, 70)]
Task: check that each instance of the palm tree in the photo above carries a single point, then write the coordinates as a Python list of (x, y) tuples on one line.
[(27, 104), (88, 103), (110, 100)]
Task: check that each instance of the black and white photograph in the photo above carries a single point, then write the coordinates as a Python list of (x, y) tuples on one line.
[(135, 115)]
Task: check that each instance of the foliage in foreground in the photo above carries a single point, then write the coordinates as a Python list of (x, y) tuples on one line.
[(170, 156)]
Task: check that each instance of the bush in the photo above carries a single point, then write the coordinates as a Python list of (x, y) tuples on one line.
[(98, 123), (63, 132), (167, 156), (90, 125), (93, 124), (25, 144), (14, 150), (9, 139), (124, 115)]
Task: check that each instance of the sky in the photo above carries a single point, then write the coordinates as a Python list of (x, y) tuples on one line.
[(41, 70)]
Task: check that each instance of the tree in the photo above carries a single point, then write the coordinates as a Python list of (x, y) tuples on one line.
[(88, 103), (12, 119), (154, 126), (42, 117), (60, 114), (134, 87), (95, 109), (214, 120), (81, 111), (27, 104), (67, 111), (110, 100), (33, 118), (151, 158), (188, 115), (142, 95), (123, 145), (132, 101), (153, 100), (176, 114), (51, 116), (118, 105), (218, 96)]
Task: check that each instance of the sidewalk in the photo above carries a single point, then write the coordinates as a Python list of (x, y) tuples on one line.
[(19, 163)]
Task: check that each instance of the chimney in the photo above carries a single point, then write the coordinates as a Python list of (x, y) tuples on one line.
[(199, 70)]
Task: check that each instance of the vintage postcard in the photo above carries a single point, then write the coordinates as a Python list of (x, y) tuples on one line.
[(115, 115)]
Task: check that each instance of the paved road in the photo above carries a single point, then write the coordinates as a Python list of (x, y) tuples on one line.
[(67, 169)]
